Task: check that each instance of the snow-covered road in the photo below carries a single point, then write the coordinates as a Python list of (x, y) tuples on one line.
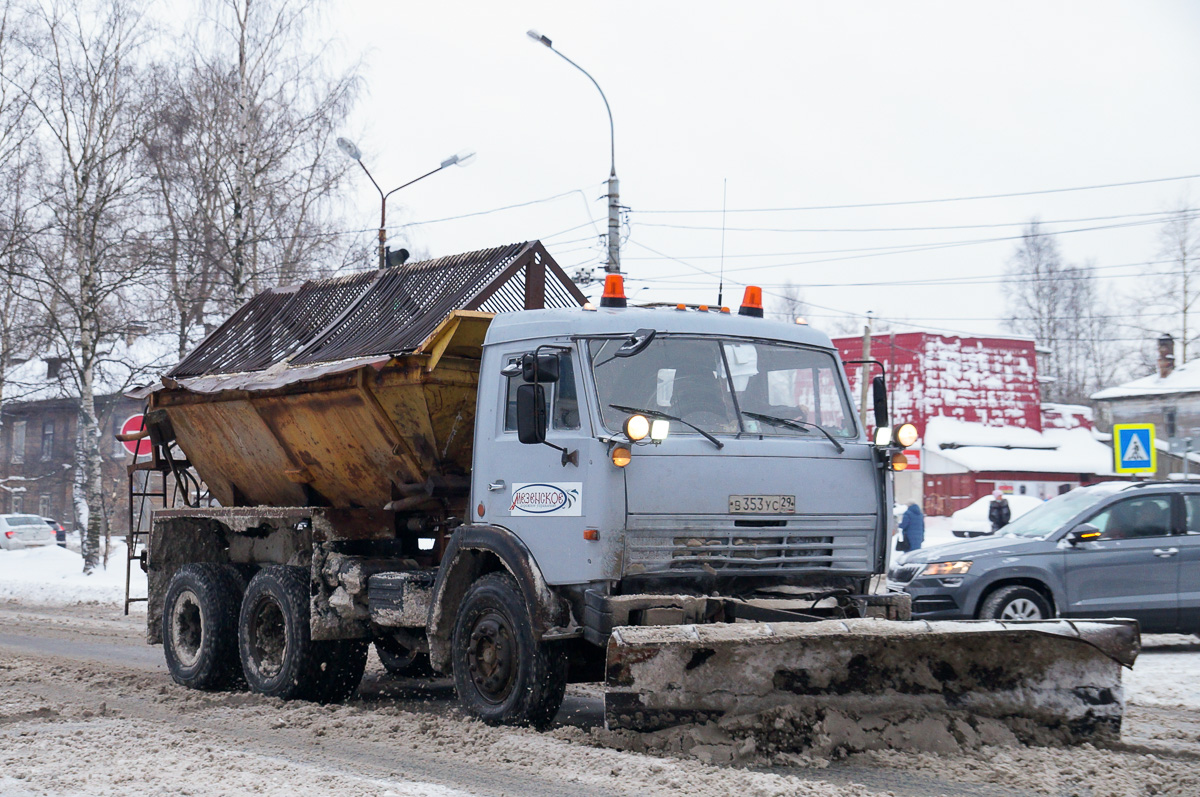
[(87, 708)]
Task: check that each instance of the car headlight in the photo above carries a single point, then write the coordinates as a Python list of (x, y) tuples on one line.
[(946, 568)]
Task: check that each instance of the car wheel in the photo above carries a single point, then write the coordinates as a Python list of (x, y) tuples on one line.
[(502, 674), (1015, 603), (199, 625), (960, 534)]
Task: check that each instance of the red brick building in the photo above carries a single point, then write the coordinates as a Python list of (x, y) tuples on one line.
[(976, 402)]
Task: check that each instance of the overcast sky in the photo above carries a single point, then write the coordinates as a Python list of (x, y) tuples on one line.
[(795, 105)]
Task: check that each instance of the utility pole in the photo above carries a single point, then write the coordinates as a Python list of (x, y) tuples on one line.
[(865, 371)]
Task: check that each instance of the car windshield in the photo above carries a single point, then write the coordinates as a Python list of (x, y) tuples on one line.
[(725, 386), (1050, 516)]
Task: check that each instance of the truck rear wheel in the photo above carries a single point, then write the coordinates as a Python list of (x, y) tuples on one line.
[(199, 625), (502, 674), (277, 652), (341, 664)]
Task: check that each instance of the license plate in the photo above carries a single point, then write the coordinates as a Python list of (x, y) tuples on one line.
[(762, 504)]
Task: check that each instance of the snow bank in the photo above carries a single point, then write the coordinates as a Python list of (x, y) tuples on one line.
[(53, 576)]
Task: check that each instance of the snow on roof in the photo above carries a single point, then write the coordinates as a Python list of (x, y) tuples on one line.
[(122, 365), (1008, 448), (1184, 379)]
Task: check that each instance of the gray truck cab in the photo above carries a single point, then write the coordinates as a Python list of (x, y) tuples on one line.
[(764, 477)]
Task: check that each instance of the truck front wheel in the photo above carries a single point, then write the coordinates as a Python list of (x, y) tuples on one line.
[(502, 674), (199, 625)]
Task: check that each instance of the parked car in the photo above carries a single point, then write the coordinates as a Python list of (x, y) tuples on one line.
[(24, 531), (1116, 549), (60, 531), (972, 520)]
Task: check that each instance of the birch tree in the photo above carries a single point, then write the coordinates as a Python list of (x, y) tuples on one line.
[(89, 263), (1172, 295)]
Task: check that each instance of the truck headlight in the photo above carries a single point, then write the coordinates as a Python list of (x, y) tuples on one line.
[(946, 568), (637, 427), (906, 434)]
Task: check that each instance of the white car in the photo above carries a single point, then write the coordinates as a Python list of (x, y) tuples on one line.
[(972, 520), (24, 531)]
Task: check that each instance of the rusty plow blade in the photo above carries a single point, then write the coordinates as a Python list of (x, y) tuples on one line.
[(868, 684)]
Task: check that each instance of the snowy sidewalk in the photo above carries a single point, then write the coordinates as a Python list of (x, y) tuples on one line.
[(53, 576)]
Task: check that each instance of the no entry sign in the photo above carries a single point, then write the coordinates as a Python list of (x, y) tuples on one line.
[(139, 448)]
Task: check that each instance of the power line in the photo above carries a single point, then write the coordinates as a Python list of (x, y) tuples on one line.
[(944, 199), (1164, 215), (884, 251)]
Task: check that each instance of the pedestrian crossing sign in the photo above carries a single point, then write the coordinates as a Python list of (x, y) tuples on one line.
[(1133, 448)]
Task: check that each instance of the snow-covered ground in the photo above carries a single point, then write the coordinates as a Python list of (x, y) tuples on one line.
[(53, 576)]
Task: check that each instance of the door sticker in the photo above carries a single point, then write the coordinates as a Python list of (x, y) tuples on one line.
[(540, 498)]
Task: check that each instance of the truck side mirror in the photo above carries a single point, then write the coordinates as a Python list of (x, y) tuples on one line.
[(879, 389), (539, 367), (531, 413), (1084, 532)]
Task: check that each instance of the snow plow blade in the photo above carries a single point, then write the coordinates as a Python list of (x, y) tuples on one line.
[(869, 683)]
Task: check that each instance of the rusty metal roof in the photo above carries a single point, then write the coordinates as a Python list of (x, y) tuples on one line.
[(377, 313)]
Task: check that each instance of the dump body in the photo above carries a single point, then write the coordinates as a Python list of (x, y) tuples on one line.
[(360, 437)]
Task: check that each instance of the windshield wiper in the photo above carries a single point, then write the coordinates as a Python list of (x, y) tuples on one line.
[(666, 417), (800, 426)]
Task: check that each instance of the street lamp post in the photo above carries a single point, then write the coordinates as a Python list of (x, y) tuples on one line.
[(614, 193), (352, 151)]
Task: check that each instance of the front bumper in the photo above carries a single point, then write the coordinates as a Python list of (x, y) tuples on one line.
[(934, 600)]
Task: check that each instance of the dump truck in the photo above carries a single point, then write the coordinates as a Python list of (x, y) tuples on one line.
[(468, 466)]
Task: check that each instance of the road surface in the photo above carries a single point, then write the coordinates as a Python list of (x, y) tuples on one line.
[(87, 708)]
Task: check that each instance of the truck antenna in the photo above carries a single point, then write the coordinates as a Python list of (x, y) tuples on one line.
[(721, 284)]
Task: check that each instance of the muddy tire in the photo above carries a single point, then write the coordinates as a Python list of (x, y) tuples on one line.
[(340, 666), (200, 626), (1015, 603), (277, 653), (400, 662), (502, 675)]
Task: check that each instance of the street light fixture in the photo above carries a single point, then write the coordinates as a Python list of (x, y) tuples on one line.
[(614, 195), (348, 147)]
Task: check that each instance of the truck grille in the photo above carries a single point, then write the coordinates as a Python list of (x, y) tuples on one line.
[(745, 546), (902, 574)]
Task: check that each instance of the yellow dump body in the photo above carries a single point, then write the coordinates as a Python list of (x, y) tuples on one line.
[(364, 436)]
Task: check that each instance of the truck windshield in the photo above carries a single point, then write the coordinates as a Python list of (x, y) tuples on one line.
[(719, 385)]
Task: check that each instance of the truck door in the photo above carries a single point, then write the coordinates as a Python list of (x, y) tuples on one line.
[(527, 488), (1132, 570)]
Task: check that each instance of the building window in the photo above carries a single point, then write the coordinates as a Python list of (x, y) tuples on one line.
[(1169, 422), (44, 505), (48, 439), (17, 448), (18, 504)]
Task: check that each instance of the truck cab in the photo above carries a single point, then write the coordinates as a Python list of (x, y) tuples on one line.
[(758, 474)]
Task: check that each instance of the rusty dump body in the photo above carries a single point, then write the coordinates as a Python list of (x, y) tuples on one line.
[(389, 432)]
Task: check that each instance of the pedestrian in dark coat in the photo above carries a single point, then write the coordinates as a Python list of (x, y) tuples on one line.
[(998, 511), (912, 526)]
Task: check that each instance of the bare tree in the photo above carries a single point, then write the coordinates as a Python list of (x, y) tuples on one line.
[(18, 159), (1060, 306), (91, 260), (788, 302), (241, 158), (1170, 301)]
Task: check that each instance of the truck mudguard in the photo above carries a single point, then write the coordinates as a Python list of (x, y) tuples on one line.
[(472, 551)]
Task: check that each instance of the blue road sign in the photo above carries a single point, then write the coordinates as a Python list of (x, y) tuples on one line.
[(1133, 448)]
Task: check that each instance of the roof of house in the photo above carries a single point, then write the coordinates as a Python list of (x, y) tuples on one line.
[(1184, 379), (976, 448), (121, 365)]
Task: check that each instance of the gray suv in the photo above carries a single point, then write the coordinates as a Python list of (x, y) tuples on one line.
[(1112, 549)]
